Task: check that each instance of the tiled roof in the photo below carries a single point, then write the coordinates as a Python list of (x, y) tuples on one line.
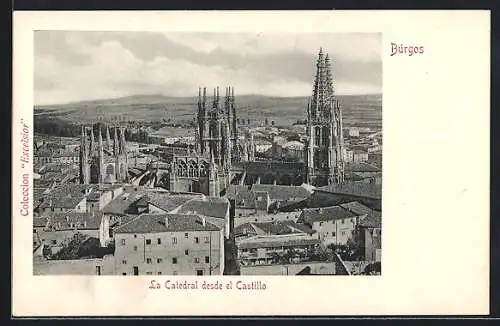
[(212, 206), (371, 221), (233, 190), (278, 192), (70, 220), (167, 201), (155, 223), (368, 190), (245, 199), (311, 215), (125, 203), (357, 208), (279, 243), (66, 195), (361, 167), (245, 229)]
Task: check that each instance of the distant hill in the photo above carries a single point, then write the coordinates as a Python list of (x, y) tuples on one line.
[(359, 109)]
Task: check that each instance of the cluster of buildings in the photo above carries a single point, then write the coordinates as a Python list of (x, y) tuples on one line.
[(215, 207)]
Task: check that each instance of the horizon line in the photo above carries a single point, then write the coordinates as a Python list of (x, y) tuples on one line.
[(195, 96)]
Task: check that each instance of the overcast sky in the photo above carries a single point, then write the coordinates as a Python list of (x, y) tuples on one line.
[(74, 66)]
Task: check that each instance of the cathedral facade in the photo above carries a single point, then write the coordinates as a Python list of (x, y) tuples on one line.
[(208, 169), (103, 161), (325, 142)]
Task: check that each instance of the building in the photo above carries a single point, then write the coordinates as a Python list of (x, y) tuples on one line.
[(103, 162), (56, 229), (368, 194), (63, 198), (370, 237), (207, 169), (169, 244), (325, 146), (275, 249), (261, 199), (334, 225)]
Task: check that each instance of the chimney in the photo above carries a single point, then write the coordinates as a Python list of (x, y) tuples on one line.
[(166, 221)]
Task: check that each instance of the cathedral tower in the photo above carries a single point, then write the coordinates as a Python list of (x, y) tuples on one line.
[(98, 164), (325, 146)]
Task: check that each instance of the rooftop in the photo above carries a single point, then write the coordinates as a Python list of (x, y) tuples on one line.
[(279, 192), (211, 206), (358, 208), (155, 223), (71, 220), (368, 190), (311, 215), (278, 242)]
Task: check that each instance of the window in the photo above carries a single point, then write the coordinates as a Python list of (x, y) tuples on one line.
[(174, 240), (240, 214), (175, 272), (197, 260), (122, 242), (135, 248), (199, 272), (149, 273), (333, 234), (34, 243), (343, 221), (148, 260), (206, 239), (159, 260), (92, 205), (174, 260), (34, 231), (320, 223), (186, 252), (148, 241), (124, 262), (135, 235), (159, 241), (343, 232), (53, 242), (159, 273), (207, 259), (186, 235), (197, 240), (124, 273), (98, 270)]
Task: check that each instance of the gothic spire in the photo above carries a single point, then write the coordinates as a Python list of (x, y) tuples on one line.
[(328, 77), (92, 140), (123, 146), (115, 141), (108, 139)]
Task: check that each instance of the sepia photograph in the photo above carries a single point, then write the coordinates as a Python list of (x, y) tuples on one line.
[(207, 153)]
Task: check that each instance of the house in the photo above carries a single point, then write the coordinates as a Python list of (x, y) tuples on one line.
[(334, 225), (56, 229), (275, 249), (64, 198), (169, 244), (370, 236)]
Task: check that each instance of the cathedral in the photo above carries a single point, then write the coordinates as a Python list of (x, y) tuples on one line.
[(103, 162), (325, 142), (222, 157), (208, 169)]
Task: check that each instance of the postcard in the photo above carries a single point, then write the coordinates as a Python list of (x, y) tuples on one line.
[(250, 163)]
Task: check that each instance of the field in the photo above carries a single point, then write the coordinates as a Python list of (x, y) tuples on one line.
[(360, 110)]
